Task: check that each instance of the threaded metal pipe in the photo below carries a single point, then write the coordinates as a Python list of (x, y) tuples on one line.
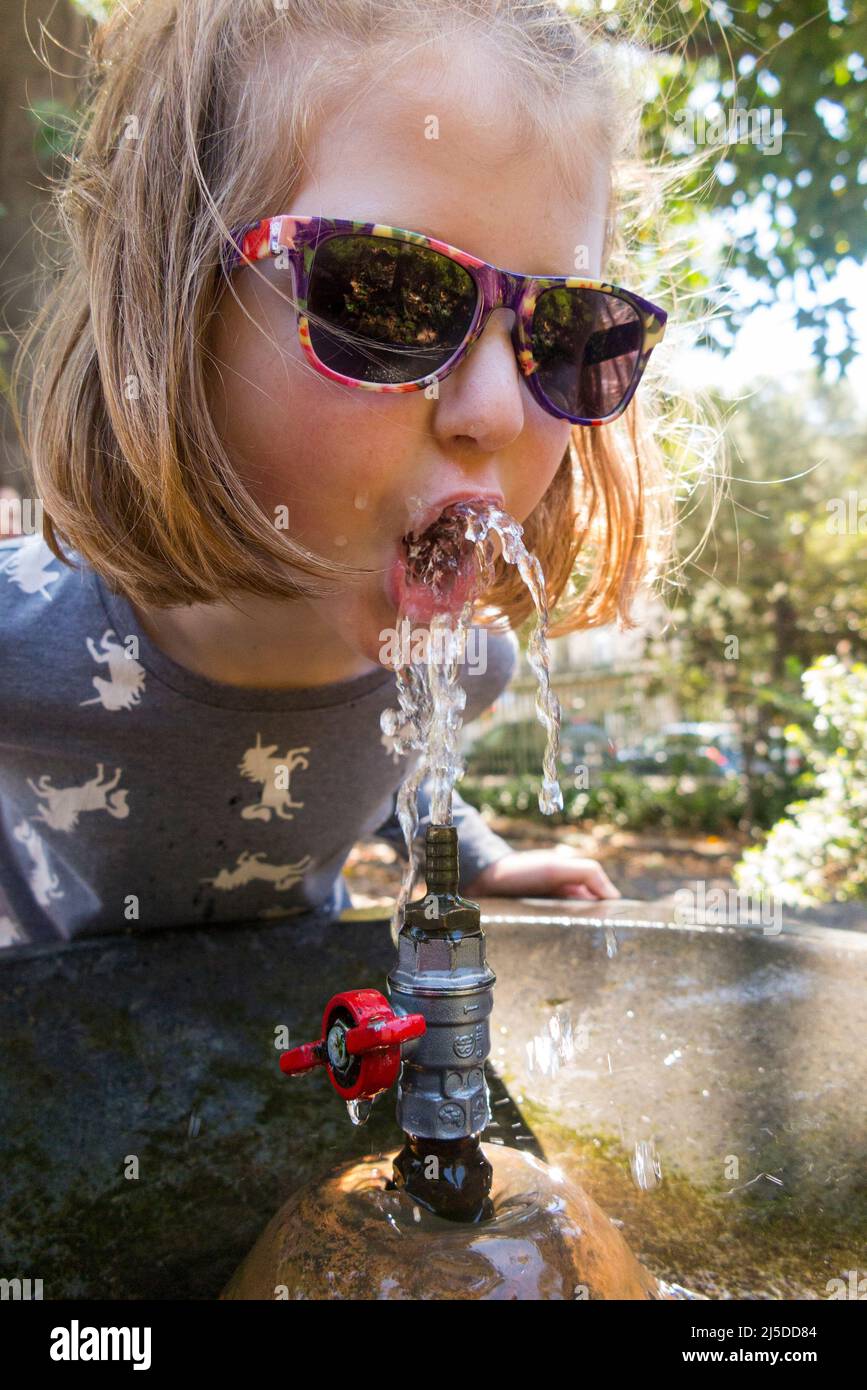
[(442, 863)]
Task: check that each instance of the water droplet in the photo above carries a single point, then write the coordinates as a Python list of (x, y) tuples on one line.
[(548, 1051), (359, 1111), (645, 1165)]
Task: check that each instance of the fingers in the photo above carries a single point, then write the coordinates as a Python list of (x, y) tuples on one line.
[(576, 890), (606, 888), (590, 882)]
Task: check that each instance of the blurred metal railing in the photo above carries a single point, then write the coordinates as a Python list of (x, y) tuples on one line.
[(616, 699)]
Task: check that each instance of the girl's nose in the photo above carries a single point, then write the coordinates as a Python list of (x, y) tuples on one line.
[(484, 396)]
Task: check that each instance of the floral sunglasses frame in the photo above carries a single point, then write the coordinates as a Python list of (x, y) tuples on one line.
[(298, 237)]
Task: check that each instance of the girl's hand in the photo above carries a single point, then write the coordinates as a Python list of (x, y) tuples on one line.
[(543, 873)]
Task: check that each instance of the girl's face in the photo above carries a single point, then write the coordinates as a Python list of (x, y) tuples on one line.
[(353, 468)]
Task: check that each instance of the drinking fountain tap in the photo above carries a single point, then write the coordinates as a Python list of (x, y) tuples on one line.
[(432, 1037), (360, 1044)]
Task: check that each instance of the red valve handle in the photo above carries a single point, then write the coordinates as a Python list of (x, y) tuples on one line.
[(303, 1058), (360, 1044)]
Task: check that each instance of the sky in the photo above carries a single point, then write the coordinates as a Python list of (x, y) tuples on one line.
[(770, 342)]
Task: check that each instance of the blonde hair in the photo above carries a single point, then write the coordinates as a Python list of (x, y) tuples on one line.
[(143, 488)]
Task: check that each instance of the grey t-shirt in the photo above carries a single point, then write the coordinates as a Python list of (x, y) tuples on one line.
[(134, 792)]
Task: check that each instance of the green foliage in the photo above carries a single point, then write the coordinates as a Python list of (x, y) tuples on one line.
[(818, 852), (98, 10), (631, 803), (807, 61), (781, 582), (55, 127)]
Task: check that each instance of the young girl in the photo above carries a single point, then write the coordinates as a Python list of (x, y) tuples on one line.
[(261, 366)]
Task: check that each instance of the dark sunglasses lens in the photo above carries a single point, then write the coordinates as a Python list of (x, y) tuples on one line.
[(387, 311), (587, 345)]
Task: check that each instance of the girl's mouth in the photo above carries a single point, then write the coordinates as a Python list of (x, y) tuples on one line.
[(435, 572)]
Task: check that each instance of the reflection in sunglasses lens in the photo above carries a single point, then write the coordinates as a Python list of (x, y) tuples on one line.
[(387, 311), (587, 345)]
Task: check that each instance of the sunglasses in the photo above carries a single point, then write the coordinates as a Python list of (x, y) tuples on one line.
[(385, 309)]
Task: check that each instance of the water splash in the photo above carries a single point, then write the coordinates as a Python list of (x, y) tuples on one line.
[(430, 699), (481, 521), (557, 1045)]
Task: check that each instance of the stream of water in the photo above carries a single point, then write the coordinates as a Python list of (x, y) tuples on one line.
[(430, 697), (454, 562)]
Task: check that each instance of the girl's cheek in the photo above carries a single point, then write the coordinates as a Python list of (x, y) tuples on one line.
[(541, 460), (336, 457), (278, 426), (333, 469)]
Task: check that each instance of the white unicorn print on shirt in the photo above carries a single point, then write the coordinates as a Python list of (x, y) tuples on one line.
[(252, 866), (126, 676), (43, 882), (28, 564), (259, 765), (66, 803)]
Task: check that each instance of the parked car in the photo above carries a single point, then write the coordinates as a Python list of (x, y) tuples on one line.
[(519, 746), (677, 755), (707, 750)]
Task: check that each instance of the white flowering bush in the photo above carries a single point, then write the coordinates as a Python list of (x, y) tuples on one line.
[(818, 852)]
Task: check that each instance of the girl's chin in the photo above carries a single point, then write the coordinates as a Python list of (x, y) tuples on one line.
[(369, 628), (376, 634)]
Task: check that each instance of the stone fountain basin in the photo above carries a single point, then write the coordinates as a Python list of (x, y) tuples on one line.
[(735, 1060)]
